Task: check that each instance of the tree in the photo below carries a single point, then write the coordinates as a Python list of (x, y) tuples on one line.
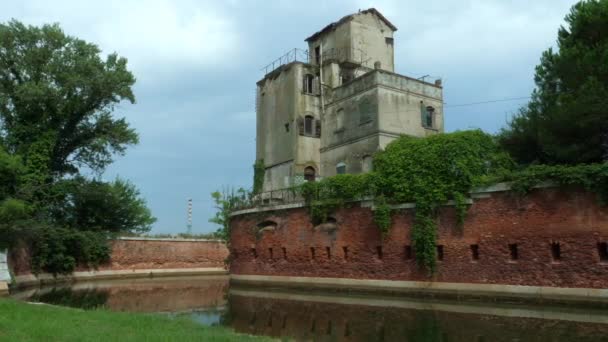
[(566, 121), (57, 98)]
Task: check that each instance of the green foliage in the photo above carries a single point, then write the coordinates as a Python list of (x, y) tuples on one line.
[(427, 171), (566, 121), (60, 250), (226, 202), (81, 203), (431, 171), (382, 214), (56, 99), (591, 177), (57, 96), (327, 195), (259, 170)]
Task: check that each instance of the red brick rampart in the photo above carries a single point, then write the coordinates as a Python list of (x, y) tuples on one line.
[(146, 254), (550, 237)]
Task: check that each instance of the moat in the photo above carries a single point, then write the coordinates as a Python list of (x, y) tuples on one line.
[(329, 316)]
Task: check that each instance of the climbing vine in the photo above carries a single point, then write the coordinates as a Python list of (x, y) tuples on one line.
[(259, 170), (382, 214), (427, 171)]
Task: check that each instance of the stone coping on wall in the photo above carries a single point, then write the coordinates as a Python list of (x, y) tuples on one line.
[(47, 278), (430, 289), (129, 238)]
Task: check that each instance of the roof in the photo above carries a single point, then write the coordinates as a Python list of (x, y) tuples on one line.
[(335, 24)]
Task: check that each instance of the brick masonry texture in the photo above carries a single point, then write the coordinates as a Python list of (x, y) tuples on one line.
[(354, 247), (146, 254)]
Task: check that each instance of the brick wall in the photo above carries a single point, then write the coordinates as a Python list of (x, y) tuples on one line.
[(506, 239), (142, 253)]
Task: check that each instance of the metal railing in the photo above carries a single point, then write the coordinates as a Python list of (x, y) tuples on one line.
[(269, 198), (295, 55), (352, 55)]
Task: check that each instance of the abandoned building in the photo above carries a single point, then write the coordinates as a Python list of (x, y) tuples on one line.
[(327, 110)]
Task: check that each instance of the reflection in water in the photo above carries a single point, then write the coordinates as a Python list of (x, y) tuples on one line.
[(330, 317), (335, 318), (65, 296), (142, 295)]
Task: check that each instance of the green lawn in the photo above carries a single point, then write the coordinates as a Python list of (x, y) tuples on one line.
[(31, 322)]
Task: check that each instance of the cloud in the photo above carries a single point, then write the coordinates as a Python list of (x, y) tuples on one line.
[(197, 63), (157, 36)]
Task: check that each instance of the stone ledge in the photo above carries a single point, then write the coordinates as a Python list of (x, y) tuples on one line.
[(3, 288), (559, 295), (480, 192), (46, 278)]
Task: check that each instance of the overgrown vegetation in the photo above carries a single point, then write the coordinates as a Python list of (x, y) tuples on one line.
[(426, 171), (226, 202), (56, 101), (560, 137)]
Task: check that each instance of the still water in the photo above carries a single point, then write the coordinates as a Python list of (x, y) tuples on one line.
[(329, 316)]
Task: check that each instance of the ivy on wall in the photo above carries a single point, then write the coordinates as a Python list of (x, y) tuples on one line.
[(426, 171), (431, 171)]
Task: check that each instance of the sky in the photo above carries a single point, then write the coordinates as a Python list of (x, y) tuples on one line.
[(197, 62)]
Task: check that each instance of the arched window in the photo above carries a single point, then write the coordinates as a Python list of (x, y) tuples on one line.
[(308, 84), (427, 115), (308, 124), (309, 174), (341, 168)]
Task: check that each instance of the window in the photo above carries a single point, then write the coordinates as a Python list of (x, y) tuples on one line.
[(513, 251), (308, 122), (318, 55), (474, 252), (366, 164), (309, 174), (341, 168), (427, 115), (389, 40), (284, 253), (379, 252), (270, 253), (365, 110), (254, 253), (345, 250), (602, 249), (340, 119), (328, 252), (312, 253), (308, 84), (440, 252), (556, 252), (407, 252)]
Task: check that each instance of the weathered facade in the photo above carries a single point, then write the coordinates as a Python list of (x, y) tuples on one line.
[(332, 111)]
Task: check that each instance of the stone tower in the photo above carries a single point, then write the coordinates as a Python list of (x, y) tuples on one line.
[(328, 110)]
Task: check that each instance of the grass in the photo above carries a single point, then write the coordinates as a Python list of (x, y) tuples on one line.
[(29, 322)]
